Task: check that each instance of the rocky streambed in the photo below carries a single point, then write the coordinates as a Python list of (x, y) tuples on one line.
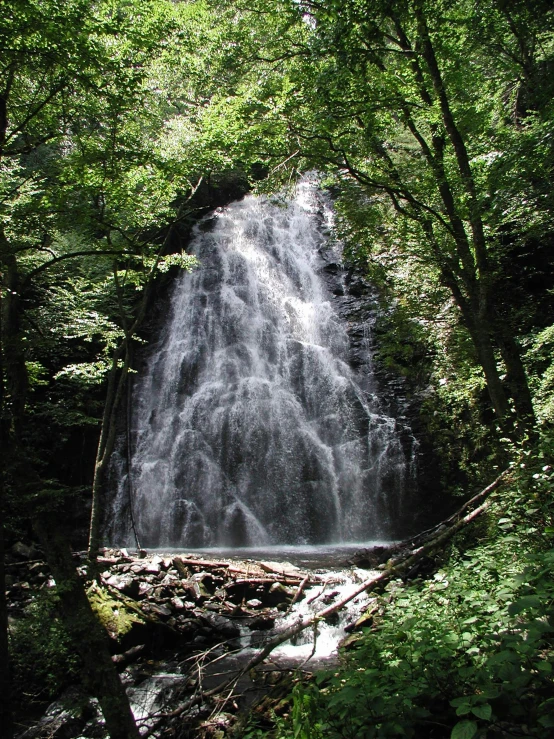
[(182, 625)]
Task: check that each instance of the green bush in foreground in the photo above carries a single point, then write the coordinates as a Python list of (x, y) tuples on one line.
[(467, 653)]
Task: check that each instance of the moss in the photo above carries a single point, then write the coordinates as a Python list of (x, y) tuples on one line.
[(114, 615)]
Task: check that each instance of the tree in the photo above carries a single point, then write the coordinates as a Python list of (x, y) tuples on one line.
[(102, 149), (412, 100), (70, 76)]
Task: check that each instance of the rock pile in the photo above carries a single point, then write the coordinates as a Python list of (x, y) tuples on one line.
[(153, 601)]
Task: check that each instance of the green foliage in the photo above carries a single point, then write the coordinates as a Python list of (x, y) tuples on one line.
[(43, 659), (539, 355), (468, 652)]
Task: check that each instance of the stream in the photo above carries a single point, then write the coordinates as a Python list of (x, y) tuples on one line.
[(207, 615)]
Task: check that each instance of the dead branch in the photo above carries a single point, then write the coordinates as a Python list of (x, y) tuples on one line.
[(299, 591), (451, 519), (180, 561), (268, 580)]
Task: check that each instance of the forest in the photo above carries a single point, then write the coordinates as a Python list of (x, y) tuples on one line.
[(430, 125)]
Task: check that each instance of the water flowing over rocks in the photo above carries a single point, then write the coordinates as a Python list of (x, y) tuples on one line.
[(174, 619), (255, 417)]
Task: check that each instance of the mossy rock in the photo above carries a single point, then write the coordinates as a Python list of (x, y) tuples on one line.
[(127, 625), (117, 619)]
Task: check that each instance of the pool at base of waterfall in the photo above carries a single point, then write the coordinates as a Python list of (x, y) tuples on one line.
[(312, 557)]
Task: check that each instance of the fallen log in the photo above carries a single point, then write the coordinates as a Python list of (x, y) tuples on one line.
[(423, 535), (267, 580), (203, 563)]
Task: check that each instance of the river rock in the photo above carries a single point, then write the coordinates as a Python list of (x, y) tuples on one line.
[(222, 625), (153, 568), (125, 584), (144, 589), (262, 622), (278, 593), (22, 551), (193, 590), (157, 609)]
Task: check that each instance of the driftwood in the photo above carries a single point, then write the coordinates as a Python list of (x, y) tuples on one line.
[(268, 580), (300, 590), (424, 543), (283, 569), (210, 564)]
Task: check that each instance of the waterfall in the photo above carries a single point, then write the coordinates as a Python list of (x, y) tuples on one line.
[(248, 426)]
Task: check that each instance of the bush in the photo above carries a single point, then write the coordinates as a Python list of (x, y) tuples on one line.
[(43, 661), (467, 653)]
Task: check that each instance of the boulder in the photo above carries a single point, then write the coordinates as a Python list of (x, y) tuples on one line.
[(222, 625), (22, 551)]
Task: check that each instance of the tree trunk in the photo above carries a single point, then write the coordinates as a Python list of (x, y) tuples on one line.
[(516, 376), (480, 336), (114, 394), (88, 636), (6, 717), (13, 390)]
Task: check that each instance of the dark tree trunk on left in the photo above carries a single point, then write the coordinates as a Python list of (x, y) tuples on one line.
[(89, 638), (6, 718)]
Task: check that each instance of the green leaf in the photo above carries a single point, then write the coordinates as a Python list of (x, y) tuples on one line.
[(484, 711), (464, 730), (522, 604), (463, 710)]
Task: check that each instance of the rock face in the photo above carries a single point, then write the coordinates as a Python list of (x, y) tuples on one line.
[(357, 303)]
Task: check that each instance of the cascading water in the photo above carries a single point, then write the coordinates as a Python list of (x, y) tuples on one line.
[(248, 427)]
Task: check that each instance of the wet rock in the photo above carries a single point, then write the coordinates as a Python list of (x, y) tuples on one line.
[(162, 593), (333, 619), (371, 558), (350, 641), (329, 597), (254, 603), (365, 620), (153, 568), (157, 609), (177, 603), (22, 551), (262, 623), (125, 584), (206, 582), (222, 625), (278, 593), (144, 589), (195, 591), (66, 718)]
